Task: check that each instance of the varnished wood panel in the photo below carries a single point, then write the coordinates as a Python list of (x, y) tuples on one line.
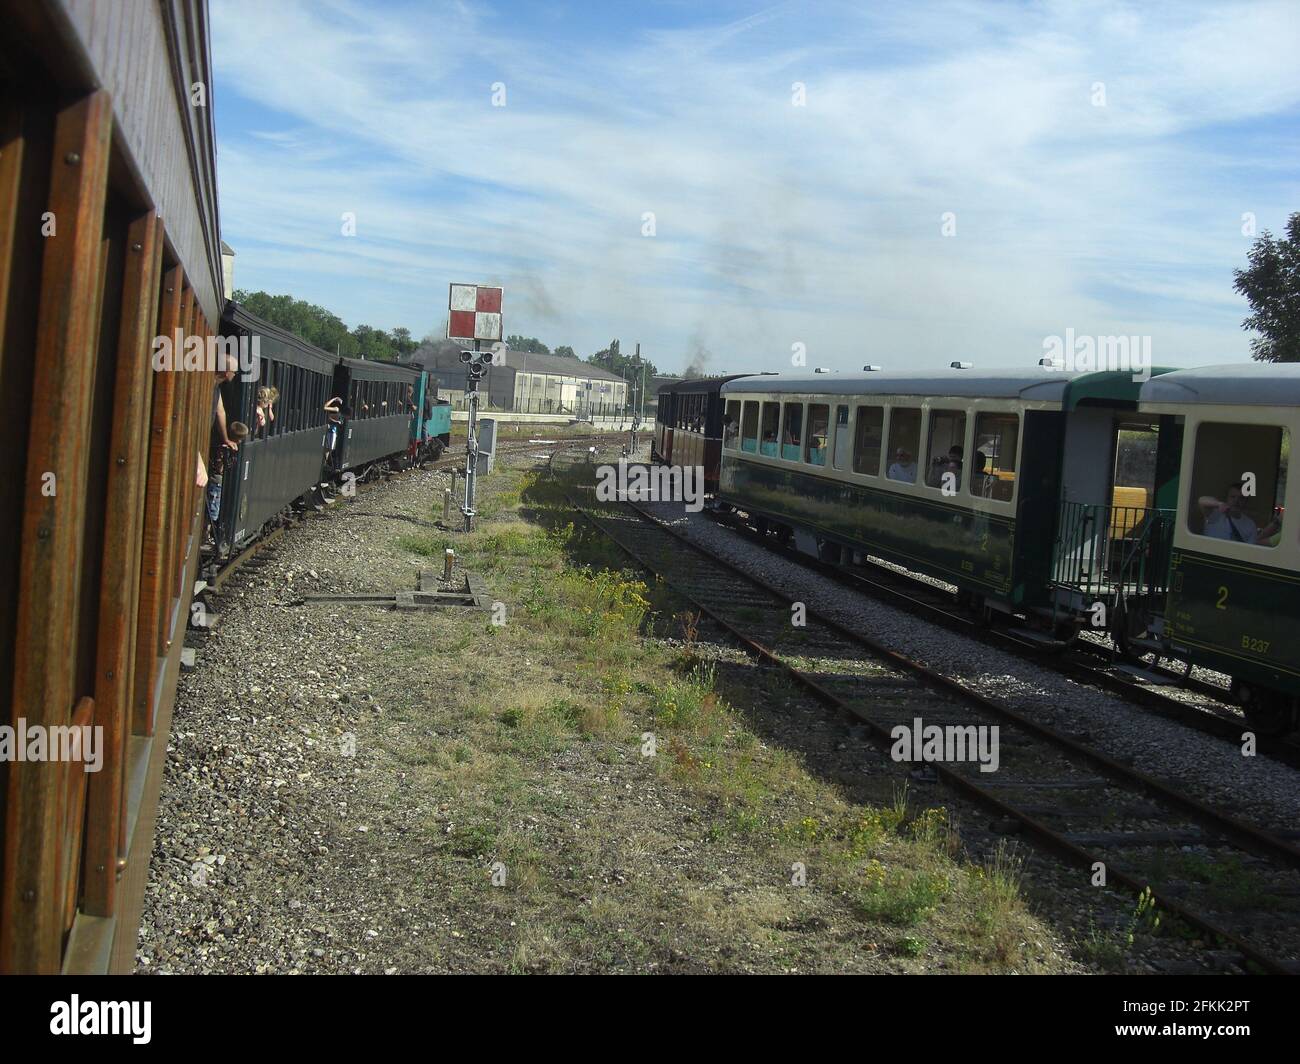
[(11, 168), (120, 584), (31, 936), (149, 71), (153, 579)]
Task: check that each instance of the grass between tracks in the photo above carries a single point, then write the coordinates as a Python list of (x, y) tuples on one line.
[(607, 791)]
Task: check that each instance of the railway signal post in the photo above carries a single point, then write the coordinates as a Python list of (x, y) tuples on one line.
[(473, 315)]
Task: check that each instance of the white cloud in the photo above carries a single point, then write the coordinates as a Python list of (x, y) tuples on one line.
[(775, 223)]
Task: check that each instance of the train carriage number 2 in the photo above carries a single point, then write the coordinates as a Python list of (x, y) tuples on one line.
[(1222, 604)]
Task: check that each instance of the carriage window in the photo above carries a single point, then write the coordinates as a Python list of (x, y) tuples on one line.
[(792, 431), (731, 423), (1239, 483), (818, 427), (749, 428), (946, 450), (840, 441), (866, 442), (993, 465), (904, 442), (771, 420)]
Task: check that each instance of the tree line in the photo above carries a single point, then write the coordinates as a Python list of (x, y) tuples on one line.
[(327, 331)]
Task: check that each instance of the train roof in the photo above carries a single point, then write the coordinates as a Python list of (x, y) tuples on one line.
[(276, 343), (1235, 384), (699, 384), (367, 369), (1036, 384)]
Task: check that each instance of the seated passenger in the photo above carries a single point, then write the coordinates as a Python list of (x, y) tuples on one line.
[(981, 483), (902, 468), (1227, 520)]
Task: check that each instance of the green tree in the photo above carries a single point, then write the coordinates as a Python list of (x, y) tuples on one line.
[(1271, 284), (566, 351), (530, 344), (314, 324), (626, 366), (402, 341), (374, 344)]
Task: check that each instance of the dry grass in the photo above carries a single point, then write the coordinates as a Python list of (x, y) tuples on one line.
[(644, 819)]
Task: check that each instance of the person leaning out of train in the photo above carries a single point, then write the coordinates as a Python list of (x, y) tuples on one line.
[(219, 407), (261, 422), (1227, 519), (333, 418), (902, 468), (219, 459)]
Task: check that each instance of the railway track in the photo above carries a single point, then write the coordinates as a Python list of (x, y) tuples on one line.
[(1083, 659), (214, 577), (1094, 812)]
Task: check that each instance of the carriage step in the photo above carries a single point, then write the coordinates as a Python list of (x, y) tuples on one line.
[(1144, 675)]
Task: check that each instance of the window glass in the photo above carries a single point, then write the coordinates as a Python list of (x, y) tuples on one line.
[(749, 427), (818, 427), (792, 431), (771, 421), (904, 442), (866, 441), (946, 450), (1239, 483), (731, 423), (993, 465), (840, 448)]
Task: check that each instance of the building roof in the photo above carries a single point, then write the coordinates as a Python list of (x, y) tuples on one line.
[(558, 365), (1237, 384), (444, 354)]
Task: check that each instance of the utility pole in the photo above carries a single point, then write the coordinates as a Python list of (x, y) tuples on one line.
[(636, 417)]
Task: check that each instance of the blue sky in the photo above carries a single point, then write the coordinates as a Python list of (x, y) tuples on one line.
[(1098, 159)]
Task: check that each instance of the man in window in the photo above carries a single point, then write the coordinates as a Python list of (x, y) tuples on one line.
[(903, 468), (1227, 520)]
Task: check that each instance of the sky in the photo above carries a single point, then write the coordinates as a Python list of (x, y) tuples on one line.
[(736, 186)]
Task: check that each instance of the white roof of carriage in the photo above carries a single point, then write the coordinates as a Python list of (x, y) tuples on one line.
[(1236, 384), (1035, 383)]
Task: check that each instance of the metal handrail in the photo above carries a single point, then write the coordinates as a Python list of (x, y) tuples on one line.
[(1116, 551)]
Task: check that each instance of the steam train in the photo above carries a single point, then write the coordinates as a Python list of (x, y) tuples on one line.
[(387, 414), (1039, 494)]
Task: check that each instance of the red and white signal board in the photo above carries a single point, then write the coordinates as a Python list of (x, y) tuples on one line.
[(474, 312)]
